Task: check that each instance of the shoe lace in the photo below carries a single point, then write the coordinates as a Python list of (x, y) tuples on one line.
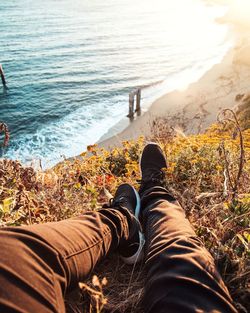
[(109, 204), (156, 177), (113, 203)]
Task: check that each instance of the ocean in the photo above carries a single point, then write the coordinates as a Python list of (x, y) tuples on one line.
[(70, 66)]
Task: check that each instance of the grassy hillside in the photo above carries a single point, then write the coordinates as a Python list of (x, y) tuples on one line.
[(208, 173)]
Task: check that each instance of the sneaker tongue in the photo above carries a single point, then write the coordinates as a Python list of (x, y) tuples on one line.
[(123, 202), (151, 178), (151, 173)]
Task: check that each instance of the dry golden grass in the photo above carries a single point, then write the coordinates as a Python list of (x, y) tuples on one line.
[(203, 173)]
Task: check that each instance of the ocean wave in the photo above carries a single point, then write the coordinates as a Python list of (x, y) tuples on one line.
[(70, 70)]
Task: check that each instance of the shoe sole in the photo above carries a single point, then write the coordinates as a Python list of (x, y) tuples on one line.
[(138, 256)]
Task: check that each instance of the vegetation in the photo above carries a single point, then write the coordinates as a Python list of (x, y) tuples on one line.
[(208, 173)]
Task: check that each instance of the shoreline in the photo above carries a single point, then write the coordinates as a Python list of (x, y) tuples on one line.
[(192, 110)]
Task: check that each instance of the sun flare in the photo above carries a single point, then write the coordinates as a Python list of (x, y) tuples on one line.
[(239, 11)]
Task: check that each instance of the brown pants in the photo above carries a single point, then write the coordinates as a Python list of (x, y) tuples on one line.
[(40, 263)]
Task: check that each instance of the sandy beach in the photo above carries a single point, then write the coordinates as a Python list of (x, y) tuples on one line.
[(194, 109)]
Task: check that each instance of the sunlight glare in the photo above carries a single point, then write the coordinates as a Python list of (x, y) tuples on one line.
[(239, 11)]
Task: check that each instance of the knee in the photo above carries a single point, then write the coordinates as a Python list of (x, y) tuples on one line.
[(12, 246)]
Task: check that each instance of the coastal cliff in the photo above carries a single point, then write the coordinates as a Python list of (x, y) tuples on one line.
[(209, 174)]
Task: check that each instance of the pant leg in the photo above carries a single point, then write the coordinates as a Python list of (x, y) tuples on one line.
[(181, 274), (40, 263)]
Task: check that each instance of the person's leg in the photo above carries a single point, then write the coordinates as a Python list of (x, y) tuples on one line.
[(40, 263), (181, 274)]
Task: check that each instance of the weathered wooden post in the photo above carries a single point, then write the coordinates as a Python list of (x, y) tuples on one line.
[(131, 105), (138, 101), (2, 76)]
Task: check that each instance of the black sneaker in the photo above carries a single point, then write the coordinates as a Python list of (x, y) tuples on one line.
[(127, 197), (151, 164)]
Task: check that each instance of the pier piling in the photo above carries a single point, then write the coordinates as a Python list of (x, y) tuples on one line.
[(131, 105), (2, 76), (137, 109), (138, 101), (137, 93)]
